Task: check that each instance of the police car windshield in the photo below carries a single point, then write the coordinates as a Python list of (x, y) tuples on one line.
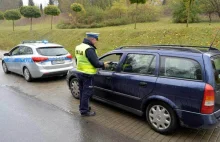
[(52, 51)]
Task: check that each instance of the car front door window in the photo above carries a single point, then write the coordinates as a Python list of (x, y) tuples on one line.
[(114, 59), (15, 51)]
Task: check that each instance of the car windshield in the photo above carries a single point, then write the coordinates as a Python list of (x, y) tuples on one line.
[(52, 51), (216, 67)]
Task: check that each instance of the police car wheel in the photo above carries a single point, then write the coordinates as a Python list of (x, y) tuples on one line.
[(5, 68), (27, 75), (74, 87), (161, 117)]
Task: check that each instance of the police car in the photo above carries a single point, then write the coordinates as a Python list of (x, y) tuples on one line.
[(37, 59)]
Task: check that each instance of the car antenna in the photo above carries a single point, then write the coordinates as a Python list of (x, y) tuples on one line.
[(214, 39)]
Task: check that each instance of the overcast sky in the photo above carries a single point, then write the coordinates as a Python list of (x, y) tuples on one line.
[(37, 2)]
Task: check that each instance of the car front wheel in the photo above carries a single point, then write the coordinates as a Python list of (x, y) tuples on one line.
[(74, 88), (5, 68), (161, 117), (27, 75)]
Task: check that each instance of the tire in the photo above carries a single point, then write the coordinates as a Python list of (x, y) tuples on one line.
[(74, 88), (161, 117), (27, 75), (5, 68)]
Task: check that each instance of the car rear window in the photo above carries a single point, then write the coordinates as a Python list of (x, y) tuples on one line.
[(216, 67), (52, 51), (180, 68)]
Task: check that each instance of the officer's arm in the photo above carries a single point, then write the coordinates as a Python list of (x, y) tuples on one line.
[(93, 58)]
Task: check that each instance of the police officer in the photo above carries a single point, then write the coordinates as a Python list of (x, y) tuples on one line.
[(87, 64)]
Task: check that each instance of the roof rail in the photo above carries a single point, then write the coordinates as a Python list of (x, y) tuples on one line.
[(179, 47), (34, 41), (193, 46)]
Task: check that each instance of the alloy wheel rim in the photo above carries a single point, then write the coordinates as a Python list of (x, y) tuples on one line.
[(75, 88), (159, 117), (4, 67), (26, 74)]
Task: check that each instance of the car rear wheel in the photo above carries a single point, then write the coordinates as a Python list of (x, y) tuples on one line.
[(161, 117), (74, 87), (5, 68), (27, 75)]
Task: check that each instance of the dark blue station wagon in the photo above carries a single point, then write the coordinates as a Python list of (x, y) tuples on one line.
[(168, 84)]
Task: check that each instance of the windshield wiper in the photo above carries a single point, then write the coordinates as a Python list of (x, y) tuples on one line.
[(60, 54)]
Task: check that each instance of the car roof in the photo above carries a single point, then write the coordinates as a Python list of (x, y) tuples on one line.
[(210, 51), (39, 45)]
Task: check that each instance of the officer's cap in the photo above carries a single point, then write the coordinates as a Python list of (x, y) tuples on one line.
[(93, 35)]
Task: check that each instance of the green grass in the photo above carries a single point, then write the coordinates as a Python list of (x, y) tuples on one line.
[(162, 32)]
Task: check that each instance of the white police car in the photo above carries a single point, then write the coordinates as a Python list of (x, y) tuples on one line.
[(37, 59)]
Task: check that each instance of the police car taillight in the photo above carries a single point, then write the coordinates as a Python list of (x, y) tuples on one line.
[(69, 56), (208, 100), (39, 59)]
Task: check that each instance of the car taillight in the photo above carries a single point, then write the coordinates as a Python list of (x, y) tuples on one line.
[(69, 56), (39, 59), (208, 100)]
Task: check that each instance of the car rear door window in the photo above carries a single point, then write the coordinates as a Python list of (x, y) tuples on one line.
[(52, 51), (139, 64), (180, 68), (25, 50)]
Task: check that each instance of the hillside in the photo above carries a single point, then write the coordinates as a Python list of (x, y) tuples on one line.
[(162, 32), (8, 4)]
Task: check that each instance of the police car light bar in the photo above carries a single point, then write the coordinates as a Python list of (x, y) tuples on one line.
[(34, 41)]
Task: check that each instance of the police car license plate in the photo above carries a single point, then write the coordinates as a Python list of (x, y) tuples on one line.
[(58, 62)]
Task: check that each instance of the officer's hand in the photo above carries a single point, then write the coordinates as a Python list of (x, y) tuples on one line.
[(106, 64)]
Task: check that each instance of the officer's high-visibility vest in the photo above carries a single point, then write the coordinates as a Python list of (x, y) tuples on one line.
[(83, 64)]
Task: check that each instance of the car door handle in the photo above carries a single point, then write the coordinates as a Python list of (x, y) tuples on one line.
[(108, 78), (143, 84)]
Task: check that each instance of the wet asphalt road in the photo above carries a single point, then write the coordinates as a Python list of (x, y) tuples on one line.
[(27, 113), (24, 118)]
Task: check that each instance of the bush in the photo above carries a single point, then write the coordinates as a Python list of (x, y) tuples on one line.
[(1, 15), (92, 15), (118, 21), (180, 13), (148, 13)]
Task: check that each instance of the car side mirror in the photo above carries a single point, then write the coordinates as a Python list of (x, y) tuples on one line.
[(6, 54)]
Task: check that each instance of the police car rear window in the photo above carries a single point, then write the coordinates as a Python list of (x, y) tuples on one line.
[(52, 51)]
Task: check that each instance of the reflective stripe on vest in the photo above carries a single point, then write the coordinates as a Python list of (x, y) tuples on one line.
[(83, 64)]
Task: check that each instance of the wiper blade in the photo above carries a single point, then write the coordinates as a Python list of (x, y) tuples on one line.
[(60, 54)]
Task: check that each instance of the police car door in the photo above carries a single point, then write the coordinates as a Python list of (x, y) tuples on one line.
[(103, 79), (12, 59)]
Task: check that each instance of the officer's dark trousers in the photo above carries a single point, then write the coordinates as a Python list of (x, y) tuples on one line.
[(85, 83)]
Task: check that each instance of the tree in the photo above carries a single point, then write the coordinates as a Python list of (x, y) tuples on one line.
[(30, 3), (77, 8), (188, 4), (30, 12), (182, 15), (118, 8), (1, 15), (41, 8), (137, 2), (53, 11), (13, 15), (207, 8), (51, 2), (20, 4)]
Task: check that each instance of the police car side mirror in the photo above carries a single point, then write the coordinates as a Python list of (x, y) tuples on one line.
[(6, 54)]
